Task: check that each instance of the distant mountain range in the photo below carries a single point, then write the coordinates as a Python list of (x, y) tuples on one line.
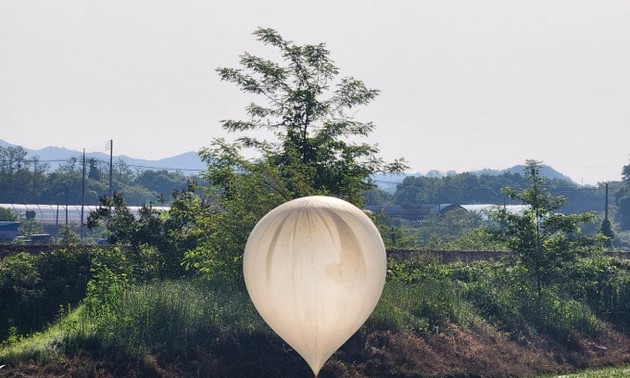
[(190, 162)]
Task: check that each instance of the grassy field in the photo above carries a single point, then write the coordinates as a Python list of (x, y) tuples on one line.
[(433, 320), (179, 328)]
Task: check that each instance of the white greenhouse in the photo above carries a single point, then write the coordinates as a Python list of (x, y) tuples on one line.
[(62, 214)]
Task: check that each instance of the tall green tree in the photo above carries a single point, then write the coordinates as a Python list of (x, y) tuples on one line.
[(312, 150), (309, 114)]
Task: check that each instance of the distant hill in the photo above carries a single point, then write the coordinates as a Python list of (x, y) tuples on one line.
[(545, 170), (188, 162)]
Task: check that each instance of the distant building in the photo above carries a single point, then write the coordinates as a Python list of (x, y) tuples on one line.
[(412, 213), (485, 209)]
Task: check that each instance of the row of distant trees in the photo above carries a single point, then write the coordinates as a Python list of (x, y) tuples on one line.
[(470, 188), (26, 179)]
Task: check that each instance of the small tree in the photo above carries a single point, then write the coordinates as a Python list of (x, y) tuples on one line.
[(29, 227), (548, 244), (69, 236), (8, 214), (156, 240), (608, 232)]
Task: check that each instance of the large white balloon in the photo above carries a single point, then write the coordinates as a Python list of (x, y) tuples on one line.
[(315, 268)]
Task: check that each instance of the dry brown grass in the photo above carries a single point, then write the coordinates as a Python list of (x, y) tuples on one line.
[(453, 352)]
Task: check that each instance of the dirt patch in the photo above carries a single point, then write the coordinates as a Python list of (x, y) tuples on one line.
[(477, 352)]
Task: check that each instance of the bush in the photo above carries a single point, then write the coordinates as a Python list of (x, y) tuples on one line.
[(500, 293), (172, 317), (497, 292), (561, 317), (615, 297), (34, 287), (420, 296)]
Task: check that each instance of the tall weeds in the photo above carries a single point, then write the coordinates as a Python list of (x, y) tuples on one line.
[(172, 317)]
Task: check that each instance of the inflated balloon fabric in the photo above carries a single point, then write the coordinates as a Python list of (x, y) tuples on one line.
[(315, 268)]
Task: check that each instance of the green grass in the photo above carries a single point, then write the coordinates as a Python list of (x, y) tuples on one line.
[(174, 316), (45, 345), (618, 372), (177, 319), (170, 317), (421, 307)]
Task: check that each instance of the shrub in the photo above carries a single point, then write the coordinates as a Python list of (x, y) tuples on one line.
[(33, 287), (561, 317), (421, 297), (615, 298), (21, 292), (172, 317)]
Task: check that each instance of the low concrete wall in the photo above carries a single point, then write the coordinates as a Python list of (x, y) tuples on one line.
[(470, 256), (447, 256), (399, 254)]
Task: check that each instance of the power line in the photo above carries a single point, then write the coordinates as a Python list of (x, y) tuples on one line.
[(168, 168)]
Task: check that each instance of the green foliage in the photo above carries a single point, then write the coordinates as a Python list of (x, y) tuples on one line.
[(172, 317), (614, 294), (437, 231), (396, 237), (20, 178), (177, 320), (623, 199), (420, 296), (8, 214), (623, 209), (32, 287), (393, 234), (112, 275), (562, 317), (312, 151), (68, 235), (608, 232), (29, 227), (20, 289), (501, 295), (480, 239), (469, 188), (156, 242), (27, 180), (548, 244)]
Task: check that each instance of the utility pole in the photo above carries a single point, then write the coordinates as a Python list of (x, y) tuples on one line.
[(111, 159), (606, 209), (83, 189), (66, 205)]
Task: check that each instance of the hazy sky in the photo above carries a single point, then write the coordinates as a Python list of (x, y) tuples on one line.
[(465, 85)]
